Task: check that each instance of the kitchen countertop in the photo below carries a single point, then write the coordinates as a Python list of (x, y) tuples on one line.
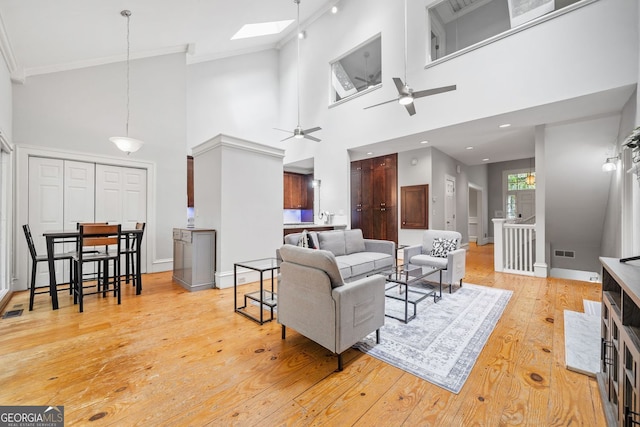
[(309, 225)]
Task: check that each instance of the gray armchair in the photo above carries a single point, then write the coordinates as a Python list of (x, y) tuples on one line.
[(454, 261), (315, 301)]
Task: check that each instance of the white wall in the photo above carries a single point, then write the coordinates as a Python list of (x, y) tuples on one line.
[(577, 189), (615, 220), (559, 59), (418, 174), (77, 111), (234, 96), (242, 184), (6, 98)]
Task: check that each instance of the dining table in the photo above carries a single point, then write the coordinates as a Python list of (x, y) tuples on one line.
[(54, 237)]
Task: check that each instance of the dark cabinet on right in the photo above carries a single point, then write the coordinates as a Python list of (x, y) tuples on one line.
[(374, 195)]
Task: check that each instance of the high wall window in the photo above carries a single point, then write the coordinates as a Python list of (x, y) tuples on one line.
[(358, 71), (459, 24)]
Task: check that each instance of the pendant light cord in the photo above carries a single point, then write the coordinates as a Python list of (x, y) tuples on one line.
[(127, 14), (405, 42), (298, 64)]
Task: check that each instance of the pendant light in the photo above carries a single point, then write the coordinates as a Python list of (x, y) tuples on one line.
[(531, 178), (124, 143)]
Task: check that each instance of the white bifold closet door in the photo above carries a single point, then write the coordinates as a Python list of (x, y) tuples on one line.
[(64, 192), (61, 194), (121, 197)]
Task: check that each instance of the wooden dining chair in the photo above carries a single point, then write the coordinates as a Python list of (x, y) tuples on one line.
[(35, 259), (91, 240), (130, 251)]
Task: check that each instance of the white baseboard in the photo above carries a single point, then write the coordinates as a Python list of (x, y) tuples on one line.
[(584, 276)]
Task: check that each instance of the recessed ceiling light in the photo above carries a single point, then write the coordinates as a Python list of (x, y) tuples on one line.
[(485, 160), (424, 142), (506, 125), (334, 9), (261, 29), (469, 148), (302, 35), (370, 153)]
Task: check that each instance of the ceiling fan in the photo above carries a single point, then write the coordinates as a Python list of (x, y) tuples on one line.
[(406, 94), (298, 132), (368, 79)]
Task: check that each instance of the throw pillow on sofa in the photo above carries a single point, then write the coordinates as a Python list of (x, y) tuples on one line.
[(354, 242), (441, 247), (305, 240)]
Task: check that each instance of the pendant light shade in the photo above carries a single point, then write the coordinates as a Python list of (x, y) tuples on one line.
[(124, 143)]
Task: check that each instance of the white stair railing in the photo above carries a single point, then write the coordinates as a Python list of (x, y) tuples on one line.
[(514, 247)]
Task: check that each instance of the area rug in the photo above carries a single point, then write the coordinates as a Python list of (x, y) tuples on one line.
[(442, 343)]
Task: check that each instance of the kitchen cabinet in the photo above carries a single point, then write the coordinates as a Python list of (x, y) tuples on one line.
[(298, 191), (374, 195), (194, 258), (190, 181)]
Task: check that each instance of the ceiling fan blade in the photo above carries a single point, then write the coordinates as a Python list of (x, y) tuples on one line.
[(377, 75), (361, 79), (313, 138), (411, 108), (283, 130), (382, 103), (283, 140), (311, 130), (435, 91), (399, 84)]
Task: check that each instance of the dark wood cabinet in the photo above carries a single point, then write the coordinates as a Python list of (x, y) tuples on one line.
[(414, 207), (374, 190), (190, 181), (298, 191)]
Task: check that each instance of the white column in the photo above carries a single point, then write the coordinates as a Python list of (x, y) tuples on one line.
[(498, 243), (540, 266)]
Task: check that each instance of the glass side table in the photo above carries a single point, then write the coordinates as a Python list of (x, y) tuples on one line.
[(264, 299)]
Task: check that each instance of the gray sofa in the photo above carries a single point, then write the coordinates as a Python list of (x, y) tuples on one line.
[(314, 300), (356, 256)]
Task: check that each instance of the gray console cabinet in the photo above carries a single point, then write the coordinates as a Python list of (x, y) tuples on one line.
[(194, 258), (619, 379)]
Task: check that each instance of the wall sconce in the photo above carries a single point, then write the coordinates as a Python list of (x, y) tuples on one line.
[(610, 164)]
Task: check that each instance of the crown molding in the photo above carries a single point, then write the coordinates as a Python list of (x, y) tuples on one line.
[(15, 71), (195, 59), (68, 66)]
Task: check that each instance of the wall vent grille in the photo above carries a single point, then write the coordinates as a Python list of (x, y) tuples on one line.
[(564, 254)]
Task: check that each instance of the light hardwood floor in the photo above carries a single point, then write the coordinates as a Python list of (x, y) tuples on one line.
[(174, 358)]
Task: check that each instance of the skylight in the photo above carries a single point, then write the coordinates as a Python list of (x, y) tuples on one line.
[(261, 29)]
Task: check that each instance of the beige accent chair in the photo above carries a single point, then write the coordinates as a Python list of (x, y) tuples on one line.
[(454, 262), (314, 300)]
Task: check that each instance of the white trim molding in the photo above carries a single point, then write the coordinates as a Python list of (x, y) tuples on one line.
[(16, 72)]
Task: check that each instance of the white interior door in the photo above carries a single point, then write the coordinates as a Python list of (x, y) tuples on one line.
[(79, 193), (46, 210), (450, 203)]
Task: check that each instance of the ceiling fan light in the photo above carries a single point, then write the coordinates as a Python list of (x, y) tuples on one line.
[(298, 136), (405, 99)]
